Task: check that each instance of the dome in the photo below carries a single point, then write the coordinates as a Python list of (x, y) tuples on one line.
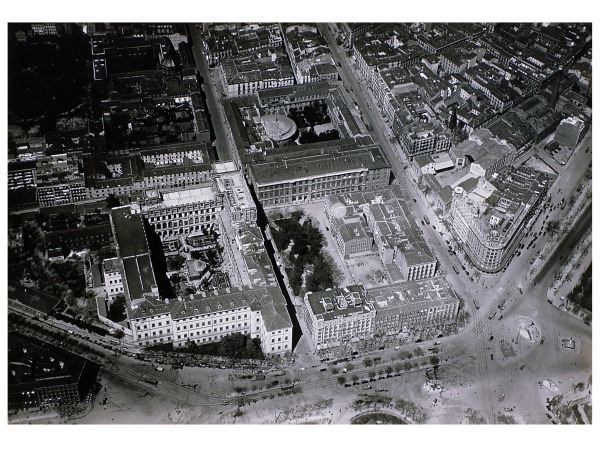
[(278, 127)]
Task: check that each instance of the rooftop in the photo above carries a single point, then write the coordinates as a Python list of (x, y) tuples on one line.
[(314, 166), (336, 302), (129, 232)]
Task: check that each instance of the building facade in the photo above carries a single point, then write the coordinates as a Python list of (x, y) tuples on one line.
[(208, 317), (490, 221), (311, 178), (339, 315)]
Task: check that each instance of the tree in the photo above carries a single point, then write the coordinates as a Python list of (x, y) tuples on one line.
[(341, 380), (119, 334), (349, 367), (335, 371), (117, 310), (404, 354), (552, 227), (175, 262), (506, 419), (112, 201), (452, 121), (372, 374), (389, 370), (355, 378), (376, 360), (368, 362), (418, 351), (434, 360)]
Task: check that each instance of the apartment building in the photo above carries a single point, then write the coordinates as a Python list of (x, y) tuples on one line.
[(148, 169), (244, 75), (490, 221), (41, 375), (400, 245), (112, 274), (309, 55), (414, 306), (487, 153), (339, 315), (348, 226)]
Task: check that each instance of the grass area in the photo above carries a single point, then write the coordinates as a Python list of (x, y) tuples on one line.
[(378, 418)]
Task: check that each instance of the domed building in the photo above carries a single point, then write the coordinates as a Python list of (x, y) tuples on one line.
[(279, 128)]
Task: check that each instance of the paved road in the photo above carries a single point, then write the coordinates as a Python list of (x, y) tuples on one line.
[(217, 117)]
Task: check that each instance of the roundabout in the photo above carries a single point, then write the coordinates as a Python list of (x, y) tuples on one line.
[(378, 418)]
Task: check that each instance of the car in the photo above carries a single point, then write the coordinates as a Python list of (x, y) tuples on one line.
[(159, 369), (492, 357), (491, 338), (415, 200)]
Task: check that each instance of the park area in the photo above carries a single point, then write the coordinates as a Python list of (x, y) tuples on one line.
[(367, 269)]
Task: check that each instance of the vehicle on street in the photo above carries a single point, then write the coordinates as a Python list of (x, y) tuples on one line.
[(159, 369)]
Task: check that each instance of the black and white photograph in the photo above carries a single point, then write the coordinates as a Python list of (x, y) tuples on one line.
[(281, 221)]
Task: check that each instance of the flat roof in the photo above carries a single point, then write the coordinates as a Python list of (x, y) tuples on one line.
[(129, 232), (314, 166), (184, 197)]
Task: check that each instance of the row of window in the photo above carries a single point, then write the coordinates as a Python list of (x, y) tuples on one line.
[(208, 324)]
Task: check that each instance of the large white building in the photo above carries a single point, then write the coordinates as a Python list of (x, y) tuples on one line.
[(340, 316), (337, 316), (260, 313)]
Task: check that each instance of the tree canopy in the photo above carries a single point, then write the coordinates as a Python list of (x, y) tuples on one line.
[(117, 311)]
